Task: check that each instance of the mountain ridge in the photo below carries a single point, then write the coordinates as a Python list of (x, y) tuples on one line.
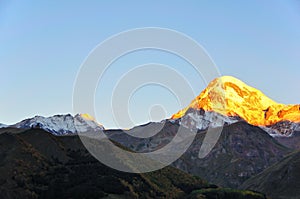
[(226, 100)]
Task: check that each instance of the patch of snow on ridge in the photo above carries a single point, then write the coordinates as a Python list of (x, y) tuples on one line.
[(3, 125), (282, 129), (83, 124), (202, 120)]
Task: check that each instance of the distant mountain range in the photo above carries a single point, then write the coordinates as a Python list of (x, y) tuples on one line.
[(257, 139), (226, 100)]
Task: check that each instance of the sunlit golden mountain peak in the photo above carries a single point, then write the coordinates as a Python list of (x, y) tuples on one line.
[(87, 116), (231, 97)]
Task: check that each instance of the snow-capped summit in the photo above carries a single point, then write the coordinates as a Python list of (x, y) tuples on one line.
[(232, 100), (62, 124), (232, 97)]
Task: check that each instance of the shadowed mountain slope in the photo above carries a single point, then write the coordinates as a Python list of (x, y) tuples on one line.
[(280, 181), (37, 164), (241, 152)]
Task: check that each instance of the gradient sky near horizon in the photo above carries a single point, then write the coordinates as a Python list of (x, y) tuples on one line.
[(43, 44)]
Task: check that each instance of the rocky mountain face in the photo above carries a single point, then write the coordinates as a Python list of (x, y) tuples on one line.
[(292, 142), (281, 180), (241, 152), (37, 164)]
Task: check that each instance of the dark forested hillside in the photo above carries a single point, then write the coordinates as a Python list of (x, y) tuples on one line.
[(36, 164)]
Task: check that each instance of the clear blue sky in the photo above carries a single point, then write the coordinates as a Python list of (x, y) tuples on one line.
[(43, 44)]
